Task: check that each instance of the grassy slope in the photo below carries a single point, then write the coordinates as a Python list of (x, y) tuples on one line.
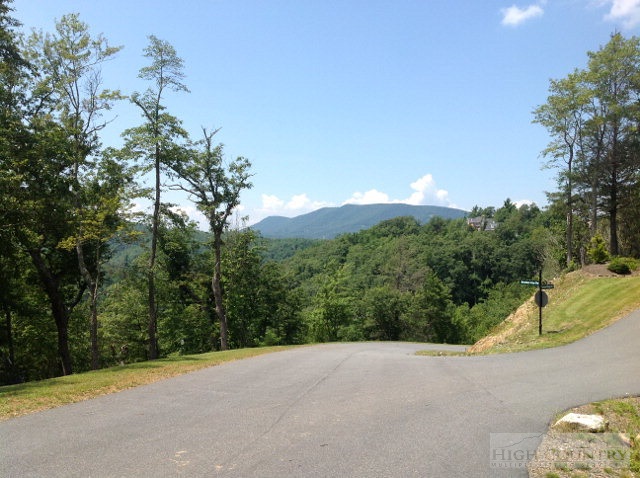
[(16, 400), (578, 306)]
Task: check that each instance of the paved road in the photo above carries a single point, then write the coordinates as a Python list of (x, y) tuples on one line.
[(337, 410)]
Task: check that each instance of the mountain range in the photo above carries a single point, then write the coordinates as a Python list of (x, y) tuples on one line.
[(329, 222)]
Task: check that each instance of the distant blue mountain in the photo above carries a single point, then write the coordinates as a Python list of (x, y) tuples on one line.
[(329, 222)]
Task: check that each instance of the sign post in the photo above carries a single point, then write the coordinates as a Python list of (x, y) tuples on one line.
[(540, 305), (541, 298)]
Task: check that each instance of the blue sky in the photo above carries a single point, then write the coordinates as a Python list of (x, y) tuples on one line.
[(359, 101)]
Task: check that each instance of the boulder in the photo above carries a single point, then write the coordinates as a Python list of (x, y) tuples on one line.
[(580, 422)]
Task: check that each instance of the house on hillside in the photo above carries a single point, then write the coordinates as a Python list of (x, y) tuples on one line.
[(482, 223)]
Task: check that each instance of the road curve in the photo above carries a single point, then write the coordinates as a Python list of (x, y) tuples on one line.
[(335, 410)]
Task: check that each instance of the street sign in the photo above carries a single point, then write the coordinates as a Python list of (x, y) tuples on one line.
[(536, 283), (541, 298)]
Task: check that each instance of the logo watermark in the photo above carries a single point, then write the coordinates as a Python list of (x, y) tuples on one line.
[(567, 451)]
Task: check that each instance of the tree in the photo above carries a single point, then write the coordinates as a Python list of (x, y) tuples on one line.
[(430, 313), (36, 182), (383, 310), (69, 62), (155, 142), (563, 115), (215, 189), (242, 288), (44, 169), (592, 116), (614, 77)]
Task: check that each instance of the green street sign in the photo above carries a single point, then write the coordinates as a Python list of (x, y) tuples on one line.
[(536, 283), (530, 282)]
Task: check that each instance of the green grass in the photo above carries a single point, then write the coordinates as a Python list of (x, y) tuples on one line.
[(578, 306), (16, 400)]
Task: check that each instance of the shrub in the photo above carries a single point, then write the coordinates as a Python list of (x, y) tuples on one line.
[(597, 251), (623, 265)]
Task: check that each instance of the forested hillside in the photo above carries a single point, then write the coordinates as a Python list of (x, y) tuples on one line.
[(328, 222), (85, 283), (442, 282)]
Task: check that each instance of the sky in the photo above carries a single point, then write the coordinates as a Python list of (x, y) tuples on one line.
[(358, 101)]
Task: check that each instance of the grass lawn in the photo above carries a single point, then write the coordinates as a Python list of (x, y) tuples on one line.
[(16, 400)]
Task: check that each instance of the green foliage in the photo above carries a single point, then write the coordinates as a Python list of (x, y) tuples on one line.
[(382, 312), (281, 249), (475, 322), (430, 313), (623, 265), (260, 306), (592, 118), (330, 321), (399, 280), (597, 251)]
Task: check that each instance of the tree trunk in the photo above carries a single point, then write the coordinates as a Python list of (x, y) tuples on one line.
[(58, 309), (613, 193), (593, 223), (217, 291), (95, 349), (13, 375), (93, 304), (614, 247), (153, 308), (570, 212)]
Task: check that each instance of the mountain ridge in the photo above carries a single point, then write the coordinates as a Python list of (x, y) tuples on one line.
[(329, 222)]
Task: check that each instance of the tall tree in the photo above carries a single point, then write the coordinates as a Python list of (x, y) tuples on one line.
[(592, 116), (215, 188), (44, 171), (154, 142), (36, 182), (563, 116), (70, 63), (12, 66), (614, 77)]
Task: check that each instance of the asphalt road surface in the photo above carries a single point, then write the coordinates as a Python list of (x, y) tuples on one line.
[(336, 410)]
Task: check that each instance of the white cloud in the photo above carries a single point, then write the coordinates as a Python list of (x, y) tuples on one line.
[(193, 214), (425, 192), (298, 204), (373, 196), (625, 11), (514, 15), (271, 202), (138, 207), (523, 202)]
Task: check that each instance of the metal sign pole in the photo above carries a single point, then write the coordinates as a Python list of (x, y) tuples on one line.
[(540, 305)]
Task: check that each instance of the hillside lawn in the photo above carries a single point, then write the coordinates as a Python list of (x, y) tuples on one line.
[(24, 398), (581, 303)]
